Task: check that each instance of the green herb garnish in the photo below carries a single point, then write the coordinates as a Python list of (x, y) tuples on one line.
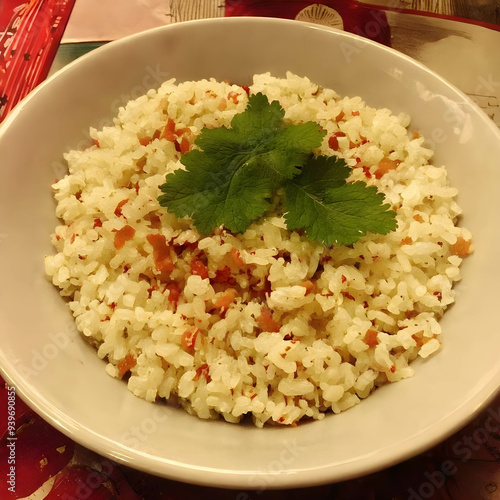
[(230, 180)]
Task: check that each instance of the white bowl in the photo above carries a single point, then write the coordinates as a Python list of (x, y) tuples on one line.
[(60, 376)]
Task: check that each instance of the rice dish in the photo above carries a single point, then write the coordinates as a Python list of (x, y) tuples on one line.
[(265, 324)]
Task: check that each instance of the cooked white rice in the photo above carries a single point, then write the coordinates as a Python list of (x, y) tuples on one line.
[(282, 328)]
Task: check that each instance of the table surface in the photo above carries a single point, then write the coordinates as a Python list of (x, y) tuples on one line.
[(464, 467)]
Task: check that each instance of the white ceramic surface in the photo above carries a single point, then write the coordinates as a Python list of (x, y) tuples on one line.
[(57, 374)]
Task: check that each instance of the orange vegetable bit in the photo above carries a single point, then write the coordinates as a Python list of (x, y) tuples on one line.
[(385, 165), (126, 364), (161, 253), (188, 339), (461, 247), (266, 321), (123, 235)]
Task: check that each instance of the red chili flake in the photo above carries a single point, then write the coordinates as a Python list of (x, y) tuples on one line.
[(393, 369), (144, 141), (58, 237), (161, 253), (333, 143), (152, 289), (73, 236), (126, 268), (199, 268), (136, 186), (347, 295), (411, 314), (370, 338), (224, 275), (367, 172), (184, 145), (97, 223), (203, 370), (112, 305), (126, 364), (118, 209), (107, 318), (246, 89), (123, 235), (169, 130), (96, 143), (188, 339), (344, 279), (174, 293), (355, 113), (340, 116), (365, 304)]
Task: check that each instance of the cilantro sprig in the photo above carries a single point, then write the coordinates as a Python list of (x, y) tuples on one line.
[(230, 178)]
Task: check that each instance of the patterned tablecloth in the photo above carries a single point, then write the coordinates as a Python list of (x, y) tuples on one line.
[(48, 465)]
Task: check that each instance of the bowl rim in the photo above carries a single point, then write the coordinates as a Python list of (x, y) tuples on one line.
[(227, 478)]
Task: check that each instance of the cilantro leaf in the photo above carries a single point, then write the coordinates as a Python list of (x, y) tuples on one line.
[(329, 210), (230, 179)]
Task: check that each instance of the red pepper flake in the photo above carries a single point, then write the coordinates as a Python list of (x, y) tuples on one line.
[(355, 113), (151, 289), (347, 295), (126, 364), (333, 142), (203, 371), (97, 223), (136, 187), (188, 339), (392, 369), (174, 293), (246, 89), (266, 321), (73, 236), (367, 172), (340, 116), (344, 279), (118, 209), (199, 268), (96, 143), (370, 338), (161, 253), (123, 235), (224, 275), (169, 131), (144, 141)]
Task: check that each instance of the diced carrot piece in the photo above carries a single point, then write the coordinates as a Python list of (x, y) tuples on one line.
[(123, 235), (309, 286), (233, 96), (385, 165), (226, 299), (199, 268), (340, 116), (333, 143), (118, 209), (370, 338), (406, 241), (266, 321), (188, 339), (126, 364), (161, 253), (97, 223), (418, 218), (235, 255), (144, 141), (185, 145), (461, 247), (203, 370)]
